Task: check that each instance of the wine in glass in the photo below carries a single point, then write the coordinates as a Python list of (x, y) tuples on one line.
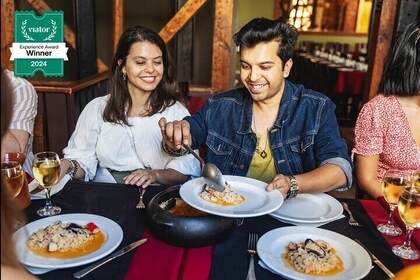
[(409, 209), (392, 186), (46, 169), (12, 177)]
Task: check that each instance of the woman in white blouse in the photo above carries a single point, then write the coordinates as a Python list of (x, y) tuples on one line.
[(117, 136)]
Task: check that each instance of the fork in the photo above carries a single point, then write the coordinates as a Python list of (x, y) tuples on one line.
[(141, 205), (252, 250), (352, 221)]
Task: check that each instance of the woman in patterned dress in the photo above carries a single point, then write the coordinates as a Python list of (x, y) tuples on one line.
[(387, 131)]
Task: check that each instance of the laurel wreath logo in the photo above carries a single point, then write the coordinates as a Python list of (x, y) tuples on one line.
[(24, 33), (53, 31)]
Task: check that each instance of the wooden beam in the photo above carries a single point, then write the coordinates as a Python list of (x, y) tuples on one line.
[(180, 19), (40, 6), (382, 27), (7, 21), (222, 41), (118, 20)]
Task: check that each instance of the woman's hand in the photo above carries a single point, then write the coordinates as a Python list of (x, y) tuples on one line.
[(141, 178)]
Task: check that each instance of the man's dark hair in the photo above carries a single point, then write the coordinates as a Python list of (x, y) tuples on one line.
[(261, 30)]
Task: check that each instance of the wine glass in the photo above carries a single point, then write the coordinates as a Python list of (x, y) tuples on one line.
[(392, 186), (46, 169), (409, 209), (12, 177)]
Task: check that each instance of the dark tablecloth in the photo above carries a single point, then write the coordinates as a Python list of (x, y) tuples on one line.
[(230, 258)]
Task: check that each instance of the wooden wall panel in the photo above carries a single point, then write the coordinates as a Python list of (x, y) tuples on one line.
[(7, 21), (180, 19), (380, 37), (118, 20), (222, 41)]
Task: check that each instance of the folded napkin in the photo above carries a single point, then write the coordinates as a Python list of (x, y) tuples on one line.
[(156, 260), (41, 194), (308, 224)]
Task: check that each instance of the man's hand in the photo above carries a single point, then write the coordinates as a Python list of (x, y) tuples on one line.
[(175, 134), (280, 183)]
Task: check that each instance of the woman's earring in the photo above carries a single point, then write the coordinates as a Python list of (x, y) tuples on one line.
[(124, 76)]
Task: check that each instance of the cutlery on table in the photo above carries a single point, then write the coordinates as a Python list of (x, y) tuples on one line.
[(377, 261), (140, 204), (117, 254), (352, 221), (252, 250)]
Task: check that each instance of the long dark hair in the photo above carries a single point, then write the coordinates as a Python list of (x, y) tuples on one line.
[(164, 95), (402, 66), (260, 30)]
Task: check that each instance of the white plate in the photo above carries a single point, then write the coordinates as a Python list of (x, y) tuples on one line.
[(112, 231), (309, 208), (272, 245), (257, 202)]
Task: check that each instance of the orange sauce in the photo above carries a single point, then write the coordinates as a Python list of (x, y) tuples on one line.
[(337, 269), (93, 245), (183, 209)]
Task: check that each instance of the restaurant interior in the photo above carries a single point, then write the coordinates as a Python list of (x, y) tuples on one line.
[(340, 52)]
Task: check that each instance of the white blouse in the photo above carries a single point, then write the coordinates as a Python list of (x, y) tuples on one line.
[(119, 147)]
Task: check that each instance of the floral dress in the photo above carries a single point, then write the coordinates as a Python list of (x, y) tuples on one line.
[(382, 129)]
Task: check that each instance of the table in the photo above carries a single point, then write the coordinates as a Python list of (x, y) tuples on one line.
[(230, 258)]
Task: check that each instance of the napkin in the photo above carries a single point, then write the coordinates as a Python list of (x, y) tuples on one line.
[(308, 224), (158, 260), (55, 189)]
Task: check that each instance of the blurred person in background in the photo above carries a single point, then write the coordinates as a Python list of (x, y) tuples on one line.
[(10, 213), (387, 131), (19, 136)]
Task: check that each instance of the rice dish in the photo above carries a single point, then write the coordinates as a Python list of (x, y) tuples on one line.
[(227, 198), (65, 237), (313, 257)]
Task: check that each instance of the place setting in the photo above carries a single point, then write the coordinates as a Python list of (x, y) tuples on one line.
[(64, 241), (312, 210)]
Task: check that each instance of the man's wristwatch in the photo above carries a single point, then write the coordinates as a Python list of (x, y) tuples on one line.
[(294, 188)]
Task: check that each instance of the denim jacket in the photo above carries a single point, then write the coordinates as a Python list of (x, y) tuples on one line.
[(305, 134)]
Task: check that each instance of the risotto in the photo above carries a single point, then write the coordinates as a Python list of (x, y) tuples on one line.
[(313, 257), (65, 240), (227, 198)]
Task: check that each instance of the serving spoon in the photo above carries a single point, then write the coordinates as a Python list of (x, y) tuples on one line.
[(211, 174)]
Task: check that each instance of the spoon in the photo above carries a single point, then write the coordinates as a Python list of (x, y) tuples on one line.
[(211, 174)]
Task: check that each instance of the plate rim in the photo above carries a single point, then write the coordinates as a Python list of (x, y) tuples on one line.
[(324, 195), (273, 196), (114, 230), (293, 230)]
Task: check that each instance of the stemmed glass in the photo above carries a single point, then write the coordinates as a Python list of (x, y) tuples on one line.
[(46, 169), (409, 209), (12, 177), (392, 186)]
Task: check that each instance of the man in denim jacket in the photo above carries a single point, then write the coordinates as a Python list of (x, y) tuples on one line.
[(271, 129)]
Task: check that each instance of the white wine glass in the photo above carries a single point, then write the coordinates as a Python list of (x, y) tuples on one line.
[(409, 209), (46, 169), (392, 186), (12, 177)]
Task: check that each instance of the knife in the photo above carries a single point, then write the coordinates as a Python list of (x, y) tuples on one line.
[(376, 260), (117, 254)]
